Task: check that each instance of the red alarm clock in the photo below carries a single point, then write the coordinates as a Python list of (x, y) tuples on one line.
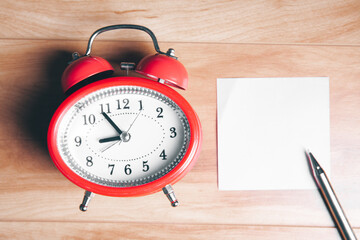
[(124, 136)]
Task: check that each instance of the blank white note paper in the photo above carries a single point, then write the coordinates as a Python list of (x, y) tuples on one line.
[(264, 127)]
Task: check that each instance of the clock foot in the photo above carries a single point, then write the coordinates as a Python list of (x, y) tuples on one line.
[(86, 200), (169, 192)]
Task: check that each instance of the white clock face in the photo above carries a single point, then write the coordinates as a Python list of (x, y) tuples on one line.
[(123, 136)]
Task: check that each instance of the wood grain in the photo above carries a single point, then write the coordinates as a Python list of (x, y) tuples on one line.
[(213, 39), (33, 190), (101, 230), (316, 22)]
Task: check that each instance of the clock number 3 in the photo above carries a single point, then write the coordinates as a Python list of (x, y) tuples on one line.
[(173, 132)]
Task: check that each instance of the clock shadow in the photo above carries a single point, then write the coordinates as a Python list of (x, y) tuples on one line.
[(37, 110), (130, 52), (47, 95)]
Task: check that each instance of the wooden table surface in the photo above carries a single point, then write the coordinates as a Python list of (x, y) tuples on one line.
[(212, 39)]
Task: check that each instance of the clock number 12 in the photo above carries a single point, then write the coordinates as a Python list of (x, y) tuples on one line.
[(126, 104)]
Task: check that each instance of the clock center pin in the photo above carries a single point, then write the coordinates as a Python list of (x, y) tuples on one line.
[(125, 136)]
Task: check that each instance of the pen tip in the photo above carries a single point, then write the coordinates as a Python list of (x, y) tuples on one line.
[(313, 162), (307, 152)]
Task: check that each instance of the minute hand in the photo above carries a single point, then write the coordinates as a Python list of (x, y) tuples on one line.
[(112, 123)]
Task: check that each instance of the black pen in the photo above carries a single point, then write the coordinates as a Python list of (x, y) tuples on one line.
[(330, 198)]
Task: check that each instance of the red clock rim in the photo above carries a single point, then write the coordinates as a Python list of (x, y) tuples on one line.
[(172, 177)]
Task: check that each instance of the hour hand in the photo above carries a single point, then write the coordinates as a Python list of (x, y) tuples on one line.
[(109, 139), (112, 123)]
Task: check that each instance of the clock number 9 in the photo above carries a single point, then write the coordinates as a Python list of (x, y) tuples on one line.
[(89, 161), (127, 169), (78, 141)]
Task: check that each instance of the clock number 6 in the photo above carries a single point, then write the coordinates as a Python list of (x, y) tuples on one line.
[(127, 169)]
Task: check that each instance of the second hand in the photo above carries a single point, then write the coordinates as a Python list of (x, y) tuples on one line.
[(132, 123), (106, 148)]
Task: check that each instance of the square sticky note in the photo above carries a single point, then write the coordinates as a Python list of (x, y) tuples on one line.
[(264, 127)]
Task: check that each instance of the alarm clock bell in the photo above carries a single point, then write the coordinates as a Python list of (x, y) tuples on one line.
[(162, 67)]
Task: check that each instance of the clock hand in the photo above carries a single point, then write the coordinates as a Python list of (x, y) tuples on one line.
[(126, 138), (103, 150), (109, 139), (124, 135), (112, 123), (134, 120)]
